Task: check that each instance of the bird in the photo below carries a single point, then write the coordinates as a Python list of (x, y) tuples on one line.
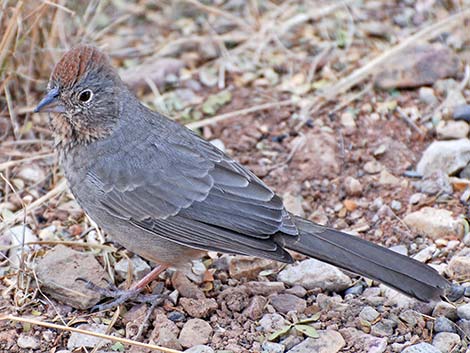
[(166, 194)]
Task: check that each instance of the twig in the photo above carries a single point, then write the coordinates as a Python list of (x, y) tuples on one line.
[(10, 164), (221, 117), (409, 121), (360, 74), (89, 333)]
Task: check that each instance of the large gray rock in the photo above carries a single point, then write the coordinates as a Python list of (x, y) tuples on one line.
[(329, 341), (312, 274), (58, 272), (447, 156)]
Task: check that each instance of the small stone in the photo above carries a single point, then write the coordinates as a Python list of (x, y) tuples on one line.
[(459, 266), (139, 268), (363, 342), (348, 120), (445, 309), (272, 322), (27, 342), (446, 342), (434, 223), (437, 182), (176, 316), (167, 338), (284, 303), (411, 317), (452, 129), (401, 249), (383, 328), (255, 308), (369, 314), (463, 311), (219, 144), (373, 167), (443, 324), (447, 156), (249, 267), (312, 274), (59, 270), (78, 340), (352, 186), (395, 205), (329, 341), (425, 254), (32, 173), (388, 179), (185, 287), (426, 95), (264, 288), (199, 308), (298, 291), (417, 198), (421, 348), (271, 347), (293, 204), (15, 236), (199, 349), (195, 332)]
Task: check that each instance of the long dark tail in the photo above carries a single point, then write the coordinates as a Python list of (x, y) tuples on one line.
[(367, 259)]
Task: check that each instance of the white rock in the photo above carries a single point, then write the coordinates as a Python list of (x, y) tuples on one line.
[(78, 340), (272, 322), (16, 234), (386, 178), (219, 144), (446, 156), (421, 348), (463, 311), (425, 254), (293, 204), (352, 186), (426, 95), (199, 349), (329, 342), (452, 129), (195, 332), (312, 274), (139, 268), (28, 342), (347, 120), (459, 266), (272, 347), (446, 342), (434, 223), (32, 173)]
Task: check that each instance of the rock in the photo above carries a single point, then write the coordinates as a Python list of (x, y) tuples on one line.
[(264, 288), (219, 144), (78, 340), (395, 298), (463, 311), (348, 120), (352, 186), (284, 303), (249, 267), (329, 341), (199, 308), (272, 322), (298, 291), (395, 205), (459, 266), (373, 167), (139, 268), (434, 223), (425, 254), (420, 65), (446, 156), (271, 347), (446, 342), (421, 348), (59, 270), (464, 327), (255, 308), (437, 182), (388, 179), (317, 157), (14, 237), (443, 324), (167, 338), (32, 173), (427, 96), (176, 316), (185, 287), (27, 342), (312, 274), (452, 129), (199, 349), (411, 317), (234, 298), (461, 112), (445, 309), (383, 328), (401, 249), (369, 314), (195, 332), (363, 342), (417, 198), (293, 204)]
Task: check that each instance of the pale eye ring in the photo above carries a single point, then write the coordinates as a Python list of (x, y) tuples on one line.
[(85, 96)]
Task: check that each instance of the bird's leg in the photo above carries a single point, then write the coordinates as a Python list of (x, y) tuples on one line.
[(133, 293)]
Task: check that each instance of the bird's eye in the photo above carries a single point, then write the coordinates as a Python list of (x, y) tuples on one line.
[(85, 95)]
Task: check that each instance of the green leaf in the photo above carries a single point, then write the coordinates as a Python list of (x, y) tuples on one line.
[(307, 330), (310, 319), (279, 333), (118, 347)]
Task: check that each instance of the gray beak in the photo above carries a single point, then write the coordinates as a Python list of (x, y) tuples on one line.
[(50, 103)]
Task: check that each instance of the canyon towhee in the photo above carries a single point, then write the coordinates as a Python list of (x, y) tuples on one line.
[(166, 194)]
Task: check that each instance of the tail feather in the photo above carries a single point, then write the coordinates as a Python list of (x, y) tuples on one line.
[(367, 259)]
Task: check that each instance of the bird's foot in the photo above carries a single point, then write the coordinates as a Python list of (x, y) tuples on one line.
[(121, 295)]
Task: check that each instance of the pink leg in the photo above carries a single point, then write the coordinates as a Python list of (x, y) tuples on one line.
[(150, 277)]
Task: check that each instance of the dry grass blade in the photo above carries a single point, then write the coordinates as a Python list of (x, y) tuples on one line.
[(9, 33), (428, 32), (84, 332), (10, 164)]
